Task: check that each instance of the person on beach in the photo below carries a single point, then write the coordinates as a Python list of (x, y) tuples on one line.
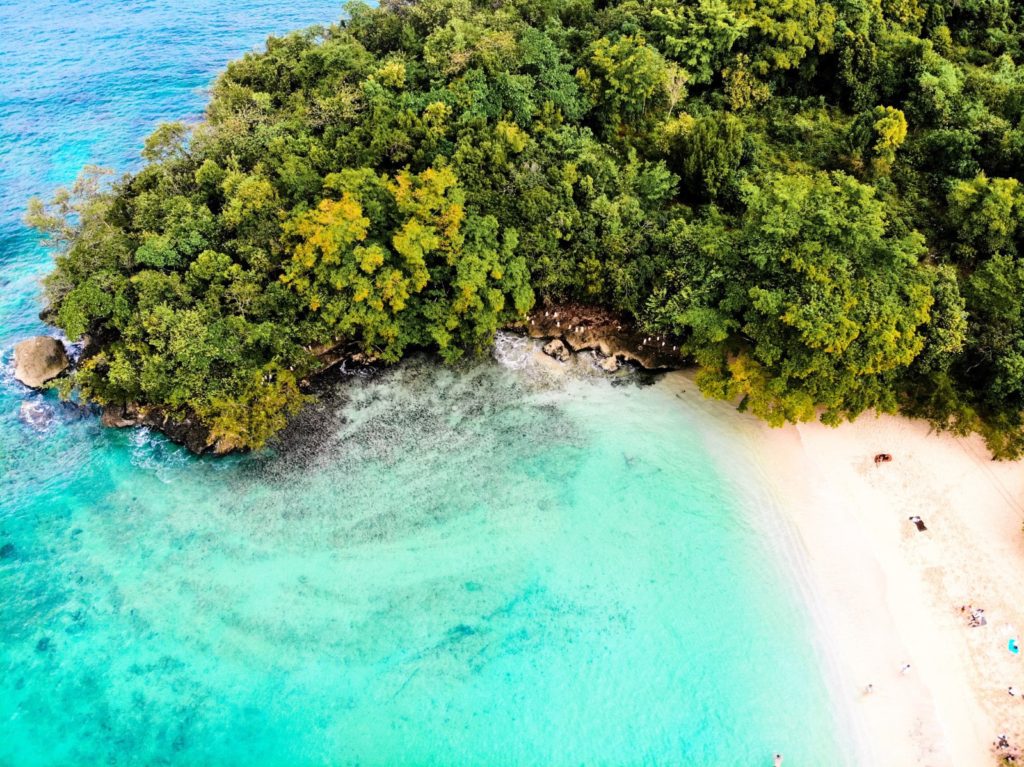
[(1014, 692), (778, 760), (869, 689), (905, 669)]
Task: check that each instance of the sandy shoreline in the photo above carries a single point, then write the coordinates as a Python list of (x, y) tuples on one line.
[(891, 595)]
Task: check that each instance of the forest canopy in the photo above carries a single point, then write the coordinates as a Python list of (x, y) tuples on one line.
[(820, 200)]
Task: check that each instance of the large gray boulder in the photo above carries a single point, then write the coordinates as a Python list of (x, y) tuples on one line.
[(38, 360)]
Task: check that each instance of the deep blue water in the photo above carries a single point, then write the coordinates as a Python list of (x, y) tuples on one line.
[(486, 565)]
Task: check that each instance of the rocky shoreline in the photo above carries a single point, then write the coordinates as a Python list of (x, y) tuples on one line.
[(614, 338), (569, 329), (194, 435), (187, 431), (39, 360)]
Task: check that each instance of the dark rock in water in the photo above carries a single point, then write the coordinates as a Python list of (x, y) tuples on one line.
[(38, 415), (39, 359), (43, 644), (7, 551), (461, 631), (121, 416), (640, 378), (557, 350), (186, 430)]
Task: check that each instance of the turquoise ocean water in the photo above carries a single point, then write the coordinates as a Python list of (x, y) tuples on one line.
[(485, 565)]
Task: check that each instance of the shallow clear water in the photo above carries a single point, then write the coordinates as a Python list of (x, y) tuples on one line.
[(480, 565)]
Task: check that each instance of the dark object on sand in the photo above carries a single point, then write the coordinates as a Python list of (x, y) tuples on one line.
[(883, 458), (919, 522)]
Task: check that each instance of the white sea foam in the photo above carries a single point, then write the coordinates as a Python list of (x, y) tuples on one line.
[(513, 350), (155, 454)]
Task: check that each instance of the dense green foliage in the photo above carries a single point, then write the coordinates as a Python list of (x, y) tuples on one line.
[(821, 200)]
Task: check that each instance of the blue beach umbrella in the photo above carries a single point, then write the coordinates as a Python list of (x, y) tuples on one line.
[(1012, 644)]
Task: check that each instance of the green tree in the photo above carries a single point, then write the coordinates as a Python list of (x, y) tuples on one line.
[(834, 306), (985, 215), (709, 155), (700, 36), (627, 78)]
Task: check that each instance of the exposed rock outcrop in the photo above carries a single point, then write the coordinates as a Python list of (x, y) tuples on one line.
[(39, 359), (614, 337), (187, 430), (338, 354), (555, 348)]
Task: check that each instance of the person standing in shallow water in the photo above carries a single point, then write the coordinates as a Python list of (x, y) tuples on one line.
[(777, 761)]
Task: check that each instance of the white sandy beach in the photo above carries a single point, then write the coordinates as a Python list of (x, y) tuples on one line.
[(892, 595)]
